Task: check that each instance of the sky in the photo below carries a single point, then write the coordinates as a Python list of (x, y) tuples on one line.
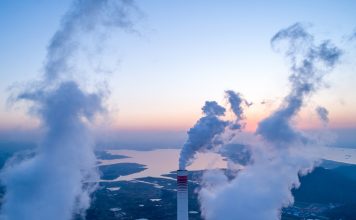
[(181, 54)]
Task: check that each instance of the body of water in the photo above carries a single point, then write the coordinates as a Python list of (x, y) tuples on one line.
[(164, 161)]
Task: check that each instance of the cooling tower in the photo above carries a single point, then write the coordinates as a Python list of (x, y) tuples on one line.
[(182, 195)]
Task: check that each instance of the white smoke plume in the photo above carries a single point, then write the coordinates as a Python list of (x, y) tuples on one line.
[(263, 187), (236, 102), (84, 17), (309, 64), (56, 182), (323, 114), (205, 135), (236, 153)]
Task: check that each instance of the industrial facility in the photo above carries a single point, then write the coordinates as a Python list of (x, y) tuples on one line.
[(182, 195)]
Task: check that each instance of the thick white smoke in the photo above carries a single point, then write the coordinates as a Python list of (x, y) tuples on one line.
[(57, 181), (83, 18), (323, 114), (263, 187), (309, 64), (236, 102), (205, 135)]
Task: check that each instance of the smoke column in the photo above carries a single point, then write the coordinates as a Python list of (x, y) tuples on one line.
[(57, 181), (235, 99), (309, 63), (202, 136), (235, 153), (205, 134), (263, 187), (323, 114)]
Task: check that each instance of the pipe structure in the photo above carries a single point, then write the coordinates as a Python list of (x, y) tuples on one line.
[(182, 195)]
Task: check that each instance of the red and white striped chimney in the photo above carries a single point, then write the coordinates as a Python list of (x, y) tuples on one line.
[(182, 195)]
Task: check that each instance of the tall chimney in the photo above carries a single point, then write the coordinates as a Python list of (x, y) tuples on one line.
[(182, 195)]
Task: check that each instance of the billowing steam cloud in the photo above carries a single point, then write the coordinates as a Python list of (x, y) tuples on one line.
[(205, 135), (51, 184), (236, 153), (263, 187), (236, 101), (85, 16), (57, 181), (323, 114), (309, 63)]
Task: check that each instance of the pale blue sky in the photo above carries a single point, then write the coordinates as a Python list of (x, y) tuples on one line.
[(187, 52)]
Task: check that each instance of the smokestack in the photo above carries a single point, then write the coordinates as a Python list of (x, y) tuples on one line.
[(182, 195)]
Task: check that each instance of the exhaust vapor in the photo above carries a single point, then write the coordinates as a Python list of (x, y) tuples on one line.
[(276, 154), (206, 133), (56, 182), (203, 135), (309, 64), (236, 102), (323, 114)]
